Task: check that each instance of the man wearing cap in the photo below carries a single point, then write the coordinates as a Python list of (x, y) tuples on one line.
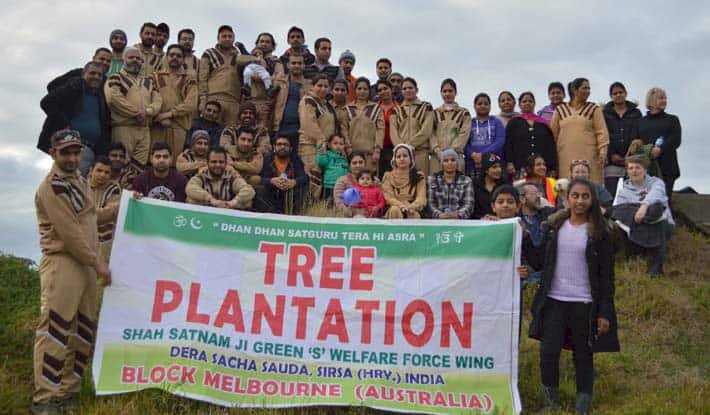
[(347, 63), (247, 119), (79, 104), (148, 33), (195, 158), (449, 192), (68, 269), (178, 91), (107, 195), (118, 42), (245, 157), (219, 186), (218, 77), (133, 100)]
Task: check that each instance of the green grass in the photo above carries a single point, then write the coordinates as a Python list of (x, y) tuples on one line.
[(663, 367)]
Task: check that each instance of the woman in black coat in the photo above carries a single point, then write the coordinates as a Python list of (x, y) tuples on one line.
[(622, 120), (663, 131), (575, 301), (527, 133)]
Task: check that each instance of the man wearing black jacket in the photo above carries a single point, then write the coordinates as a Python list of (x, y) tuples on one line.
[(78, 103), (283, 181)]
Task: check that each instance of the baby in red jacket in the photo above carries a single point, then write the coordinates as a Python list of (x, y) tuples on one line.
[(372, 200)]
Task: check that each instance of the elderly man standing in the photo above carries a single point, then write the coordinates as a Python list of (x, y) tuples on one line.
[(178, 91), (70, 263), (133, 100), (216, 186)]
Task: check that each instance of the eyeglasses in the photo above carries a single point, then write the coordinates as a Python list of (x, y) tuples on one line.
[(577, 162)]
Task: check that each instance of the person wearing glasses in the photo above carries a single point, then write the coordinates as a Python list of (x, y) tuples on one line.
[(580, 131), (284, 181), (179, 104)]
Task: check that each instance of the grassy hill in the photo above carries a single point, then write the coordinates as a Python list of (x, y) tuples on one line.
[(663, 367)]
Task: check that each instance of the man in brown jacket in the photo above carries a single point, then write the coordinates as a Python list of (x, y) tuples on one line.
[(190, 161), (217, 186), (247, 118), (218, 76), (133, 100), (66, 216), (178, 91), (186, 39), (148, 33), (107, 195), (245, 158)]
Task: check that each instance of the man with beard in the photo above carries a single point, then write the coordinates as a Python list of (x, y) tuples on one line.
[(532, 215), (102, 57), (247, 118), (79, 104), (190, 161), (218, 77), (286, 122), (322, 64), (162, 34), (245, 158), (133, 100), (383, 68), (107, 195), (151, 60), (216, 186), (123, 172), (207, 121), (297, 42), (283, 181), (186, 39), (118, 42), (70, 263), (178, 91), (160, 180)]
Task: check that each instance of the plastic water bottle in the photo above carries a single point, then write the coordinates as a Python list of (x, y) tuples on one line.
[(659, 141), (283, 175)]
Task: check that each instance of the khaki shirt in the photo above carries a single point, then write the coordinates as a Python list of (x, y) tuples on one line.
[(179, 95), (219, 72), (126, 94), (228, 187), (413, 124)]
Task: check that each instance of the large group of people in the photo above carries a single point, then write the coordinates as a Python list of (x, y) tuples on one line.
[(243, 128)]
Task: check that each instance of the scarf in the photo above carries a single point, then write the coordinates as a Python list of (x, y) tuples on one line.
[(531, 116)]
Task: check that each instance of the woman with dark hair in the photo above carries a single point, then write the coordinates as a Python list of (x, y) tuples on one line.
[(536, 173), (506, 103), (556, 94), (452, 126), (663, 131), (486, 183), (622, 119), (580, 131), (388, 107), (528, 133), (574, 303), (404, 187), (487, 135), (414, 124), (366, 124), (318, 122), (356, 162)]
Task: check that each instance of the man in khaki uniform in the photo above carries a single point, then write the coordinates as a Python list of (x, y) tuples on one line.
[(190, 161), (218, 76), (186, 39), (178, 92), (133, 100), (245, 158), (107, 196), (247, 119), (217, 186), (148, 33), (66, 216)]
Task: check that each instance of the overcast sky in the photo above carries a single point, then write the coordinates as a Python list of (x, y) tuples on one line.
[(486, 46)]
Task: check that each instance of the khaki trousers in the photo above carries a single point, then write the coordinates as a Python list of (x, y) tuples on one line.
[(421, 159), (66, 329), (136, 139)]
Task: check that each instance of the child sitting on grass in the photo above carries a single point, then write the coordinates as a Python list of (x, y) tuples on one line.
[(372, 199), (334, 163)]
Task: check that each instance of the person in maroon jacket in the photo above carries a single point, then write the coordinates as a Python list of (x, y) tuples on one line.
[(160, 181)]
